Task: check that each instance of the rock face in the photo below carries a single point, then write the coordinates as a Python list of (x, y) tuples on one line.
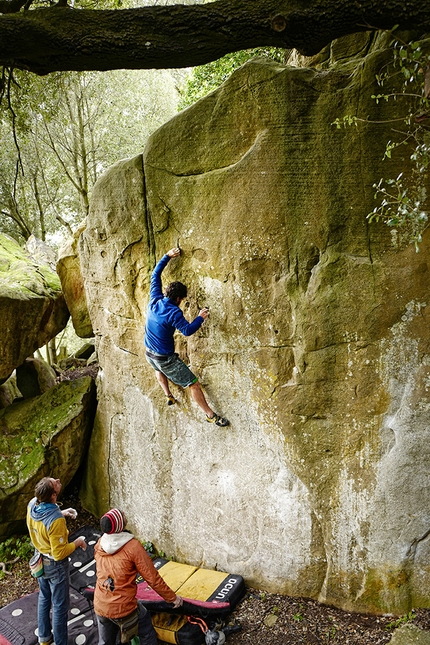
[(410, 635), (40, 252), (32, 306), (42, 436), (69, 271), (317, 346), (9, 392)]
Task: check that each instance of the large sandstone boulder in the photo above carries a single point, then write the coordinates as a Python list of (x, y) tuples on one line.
[(45, 435), (317, 348), (32, 306), (69, 271)]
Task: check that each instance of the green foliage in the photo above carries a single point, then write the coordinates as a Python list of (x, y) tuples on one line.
[(149, 548), (331, 634), (407, 618), (59, 132), (153, 552), (16, 547), (346, 120), (206, 78), (401, 206), (298, 617), (402, 202)]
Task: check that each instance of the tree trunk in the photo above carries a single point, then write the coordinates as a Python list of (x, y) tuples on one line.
[(52, 351), (13, 214), (42, 225), (61, 38)]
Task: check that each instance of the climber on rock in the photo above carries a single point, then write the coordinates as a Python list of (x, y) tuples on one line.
[(163, 317)]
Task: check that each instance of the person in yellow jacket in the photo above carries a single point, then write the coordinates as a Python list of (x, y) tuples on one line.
[(49, 535), (119, 558)]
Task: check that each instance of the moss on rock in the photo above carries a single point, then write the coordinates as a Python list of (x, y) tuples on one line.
[(45, 435)]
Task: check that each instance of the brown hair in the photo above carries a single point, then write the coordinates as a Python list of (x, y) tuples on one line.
[(44, 490)]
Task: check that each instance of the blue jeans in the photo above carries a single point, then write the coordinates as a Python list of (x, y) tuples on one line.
[(53, 591), (109, 630)]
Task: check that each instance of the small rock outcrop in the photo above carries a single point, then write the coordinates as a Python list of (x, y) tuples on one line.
[(410, 635), (45, 435), (69, 271), (32, 306), (9, 391), (40, 252)]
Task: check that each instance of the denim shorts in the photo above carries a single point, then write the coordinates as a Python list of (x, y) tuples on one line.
[(175, 370)]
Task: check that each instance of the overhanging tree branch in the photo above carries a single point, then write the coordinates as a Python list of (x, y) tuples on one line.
[(61, 38), (11, 6)]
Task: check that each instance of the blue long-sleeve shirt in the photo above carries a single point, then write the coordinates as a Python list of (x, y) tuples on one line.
[(164, 316)]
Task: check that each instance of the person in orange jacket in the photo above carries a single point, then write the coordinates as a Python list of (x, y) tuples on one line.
[(119, 558)]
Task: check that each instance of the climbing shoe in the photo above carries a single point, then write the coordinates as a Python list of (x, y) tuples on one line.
[(171, 400), (218, 421)]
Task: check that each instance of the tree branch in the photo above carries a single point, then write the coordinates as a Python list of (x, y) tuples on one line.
[(11, 6), (60, 38)]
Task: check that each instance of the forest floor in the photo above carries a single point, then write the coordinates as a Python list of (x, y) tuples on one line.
[(265, 618)]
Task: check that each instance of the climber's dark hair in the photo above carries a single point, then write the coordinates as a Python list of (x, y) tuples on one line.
[(176, 290)]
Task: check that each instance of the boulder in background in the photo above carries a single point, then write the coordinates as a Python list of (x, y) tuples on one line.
[(43, 436), (69, 270), (32, 306)]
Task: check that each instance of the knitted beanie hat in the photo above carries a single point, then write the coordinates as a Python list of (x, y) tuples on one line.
[(112, 521)]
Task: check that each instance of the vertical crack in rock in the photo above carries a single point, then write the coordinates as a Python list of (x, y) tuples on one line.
[(319, 542), (148, 220), (109, 460), (313, 260), (369, 248)]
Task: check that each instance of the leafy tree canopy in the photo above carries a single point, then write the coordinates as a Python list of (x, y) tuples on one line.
[(60, 132)]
